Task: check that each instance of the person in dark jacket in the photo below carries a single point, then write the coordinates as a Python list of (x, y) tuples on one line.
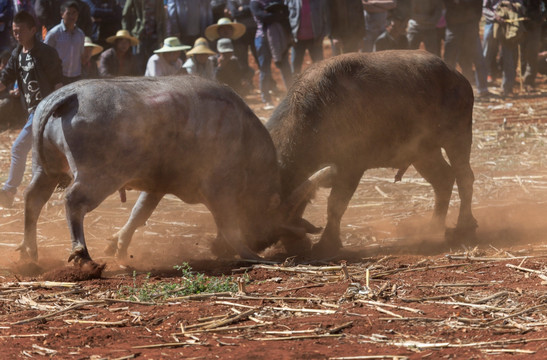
[(37, 69)]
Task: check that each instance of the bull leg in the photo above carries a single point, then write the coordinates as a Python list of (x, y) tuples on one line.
[(81, 199), (36, 195), (145, 205), (459, 157), (435, 170), (342, 190)]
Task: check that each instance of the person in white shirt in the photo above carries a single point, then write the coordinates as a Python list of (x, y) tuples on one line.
[(166, 60), (68, 40)]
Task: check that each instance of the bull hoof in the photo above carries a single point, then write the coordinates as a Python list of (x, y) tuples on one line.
[(80, 255), (26, 253), (461, 235)]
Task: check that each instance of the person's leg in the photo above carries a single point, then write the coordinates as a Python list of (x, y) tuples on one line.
[(285, 67), (19, 153), (264, 63), (451, 46), (490, 49), (315, 48), (252, 44), (298, 51), (530, 54), (481, 73), (241, 51), (466, 53), (508, 54)]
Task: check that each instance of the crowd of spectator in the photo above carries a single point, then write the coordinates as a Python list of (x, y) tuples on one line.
[(79, 39)]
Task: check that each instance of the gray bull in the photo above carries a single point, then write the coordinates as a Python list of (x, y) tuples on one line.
[(184, 136), (385, 109)]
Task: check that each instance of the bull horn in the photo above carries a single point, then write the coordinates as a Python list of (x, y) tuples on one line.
[(304, 192)]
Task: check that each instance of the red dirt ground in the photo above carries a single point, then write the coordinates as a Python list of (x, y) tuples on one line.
[(383, 230)]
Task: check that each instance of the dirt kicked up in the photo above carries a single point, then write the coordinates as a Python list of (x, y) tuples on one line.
[(395, 291)]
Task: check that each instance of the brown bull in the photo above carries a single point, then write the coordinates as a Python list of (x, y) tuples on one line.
[(386, 109)]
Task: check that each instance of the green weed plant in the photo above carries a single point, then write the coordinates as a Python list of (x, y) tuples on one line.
[(190, 283)]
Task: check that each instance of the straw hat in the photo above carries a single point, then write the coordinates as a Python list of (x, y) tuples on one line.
[(211, 32), (96, 48), (122, 34), (201, 46), (171, 44)]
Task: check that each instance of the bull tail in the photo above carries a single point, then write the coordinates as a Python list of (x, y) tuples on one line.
[(53, 106)]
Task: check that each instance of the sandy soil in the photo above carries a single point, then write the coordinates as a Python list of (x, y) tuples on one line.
[(425, 299)]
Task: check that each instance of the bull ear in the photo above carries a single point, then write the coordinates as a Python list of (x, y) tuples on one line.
[(304, 192)]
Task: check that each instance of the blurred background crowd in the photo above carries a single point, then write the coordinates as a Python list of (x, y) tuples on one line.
[(485, 39)]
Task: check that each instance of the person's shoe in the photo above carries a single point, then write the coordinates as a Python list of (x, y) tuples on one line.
[(6, 198)]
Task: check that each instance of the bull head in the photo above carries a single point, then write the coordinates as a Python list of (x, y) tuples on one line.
[(289, 226)]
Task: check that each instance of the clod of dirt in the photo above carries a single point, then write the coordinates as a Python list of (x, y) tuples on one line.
[(87, 271)]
